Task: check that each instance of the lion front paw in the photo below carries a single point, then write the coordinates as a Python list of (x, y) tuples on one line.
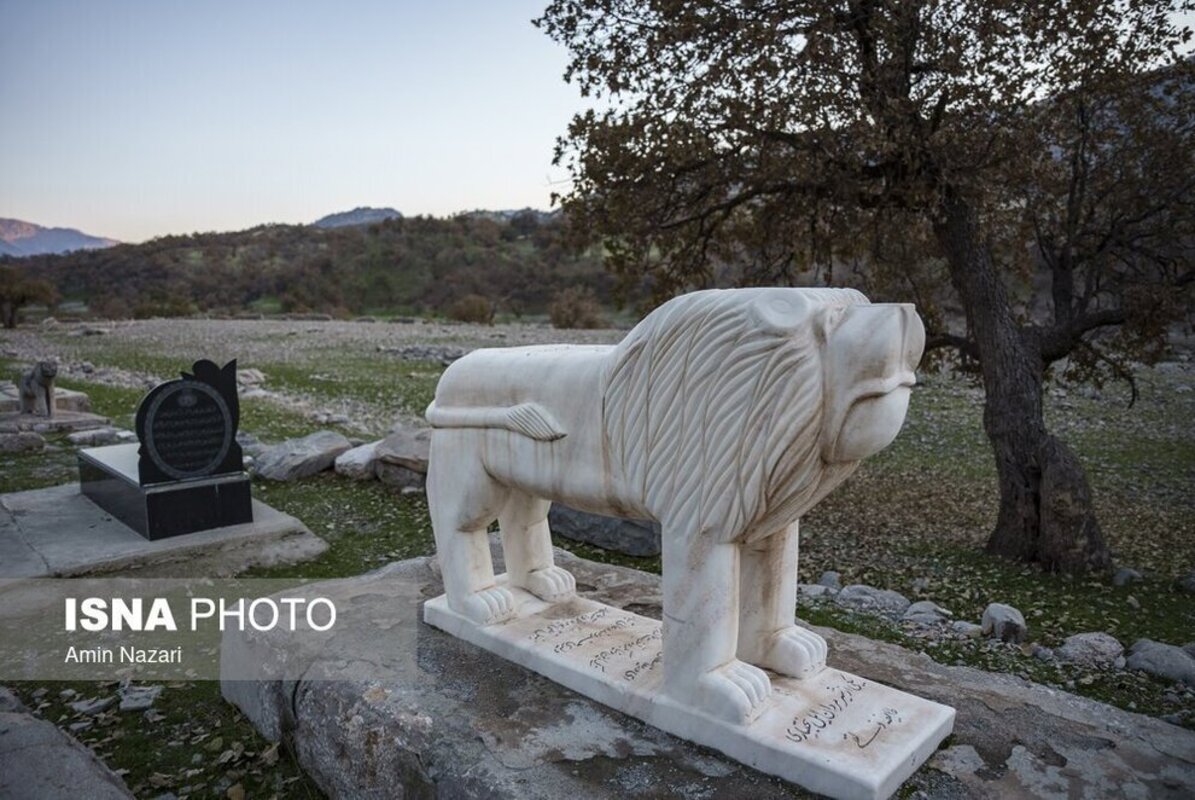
[(796, 652), (735, 692), (489, 605), (551, 584)]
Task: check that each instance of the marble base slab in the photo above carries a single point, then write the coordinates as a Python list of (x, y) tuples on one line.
[(836, 734)]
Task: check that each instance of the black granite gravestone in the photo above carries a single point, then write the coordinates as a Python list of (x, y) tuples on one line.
[(186, 473)]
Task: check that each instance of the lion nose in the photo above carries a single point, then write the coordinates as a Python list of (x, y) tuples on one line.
[(914, 336)]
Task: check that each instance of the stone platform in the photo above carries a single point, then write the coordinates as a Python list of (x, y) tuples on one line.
[(57, 532), (837, 734), (385, 705), (61, 422)]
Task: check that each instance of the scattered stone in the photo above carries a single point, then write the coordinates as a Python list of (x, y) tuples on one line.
[(1043, 653), (300, 458), (138, 698), (21, 442), (443, 354), (98, 437), (400, 477), (1004, 622), (359, 463), (867, 598), (67, 694), (920, 584), (1096, 649), (814, 591), (250, 444), (635, 537), (9, 702), (406, 447), (93, 705), (250, 377), (408, 490), (1133, 603), (1126, 575), (1162, 660), (79, 727), (831, 580), (926, 612), (328, 418)]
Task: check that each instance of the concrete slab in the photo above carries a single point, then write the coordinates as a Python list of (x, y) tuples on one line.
[(57, 532), (13, 422)]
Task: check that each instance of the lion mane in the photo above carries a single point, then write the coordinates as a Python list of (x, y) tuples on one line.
[(713, 410)]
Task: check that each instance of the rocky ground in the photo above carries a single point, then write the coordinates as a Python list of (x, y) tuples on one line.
[(904, 535)]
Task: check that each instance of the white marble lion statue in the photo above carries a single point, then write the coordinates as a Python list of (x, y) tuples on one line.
[(724, 415)]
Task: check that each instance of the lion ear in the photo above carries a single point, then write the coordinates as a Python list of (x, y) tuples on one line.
[(778, 311)]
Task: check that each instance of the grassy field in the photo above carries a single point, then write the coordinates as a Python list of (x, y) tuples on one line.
[(913, 519)]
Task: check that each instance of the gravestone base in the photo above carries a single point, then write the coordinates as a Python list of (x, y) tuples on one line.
[(108, 476), (835, 734), (58, 532)]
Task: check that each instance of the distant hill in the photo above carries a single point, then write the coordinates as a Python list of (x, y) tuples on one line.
[(20, 238), (404, 266), (358, 216)]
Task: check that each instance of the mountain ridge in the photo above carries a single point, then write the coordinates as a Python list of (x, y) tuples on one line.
[(20, 238)]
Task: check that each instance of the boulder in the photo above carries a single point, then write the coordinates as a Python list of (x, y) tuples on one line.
[(926, 612), (21, 442), (1096, 649), (968, 629), (400, 477), (634, 537), (40, 762), (415, 712), (814, 591), (867, 598), (1162, 660), (1004, 622), (406, 447), (1126, 575), (299, 458), (359, 463), (831, 580)]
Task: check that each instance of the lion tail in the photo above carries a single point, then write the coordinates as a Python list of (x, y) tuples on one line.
[(529, 419)]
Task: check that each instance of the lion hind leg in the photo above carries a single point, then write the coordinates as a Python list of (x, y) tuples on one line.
[(701, 629), (527, 547), (768, 635), (463, 500)]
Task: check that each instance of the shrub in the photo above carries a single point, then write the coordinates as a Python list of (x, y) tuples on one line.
[(576, 307), (472, 308)]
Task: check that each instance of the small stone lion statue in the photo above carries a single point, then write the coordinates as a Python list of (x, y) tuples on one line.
[(725, 415), (37, 389)]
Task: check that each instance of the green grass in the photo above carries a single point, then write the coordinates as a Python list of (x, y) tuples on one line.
[(913, 519)]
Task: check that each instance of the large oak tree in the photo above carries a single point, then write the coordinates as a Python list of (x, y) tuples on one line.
[(964, 151)]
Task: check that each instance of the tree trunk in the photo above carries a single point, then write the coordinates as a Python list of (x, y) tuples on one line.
[(1046, 513)]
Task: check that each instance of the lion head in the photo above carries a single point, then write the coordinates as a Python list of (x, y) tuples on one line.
[(732, 412)]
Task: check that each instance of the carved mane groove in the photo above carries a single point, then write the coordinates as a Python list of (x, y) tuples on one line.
[(713, 403)]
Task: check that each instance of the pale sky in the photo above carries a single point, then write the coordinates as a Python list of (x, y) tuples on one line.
[(135, 118)]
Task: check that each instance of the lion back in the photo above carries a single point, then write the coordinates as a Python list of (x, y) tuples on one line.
[(712, 407)]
